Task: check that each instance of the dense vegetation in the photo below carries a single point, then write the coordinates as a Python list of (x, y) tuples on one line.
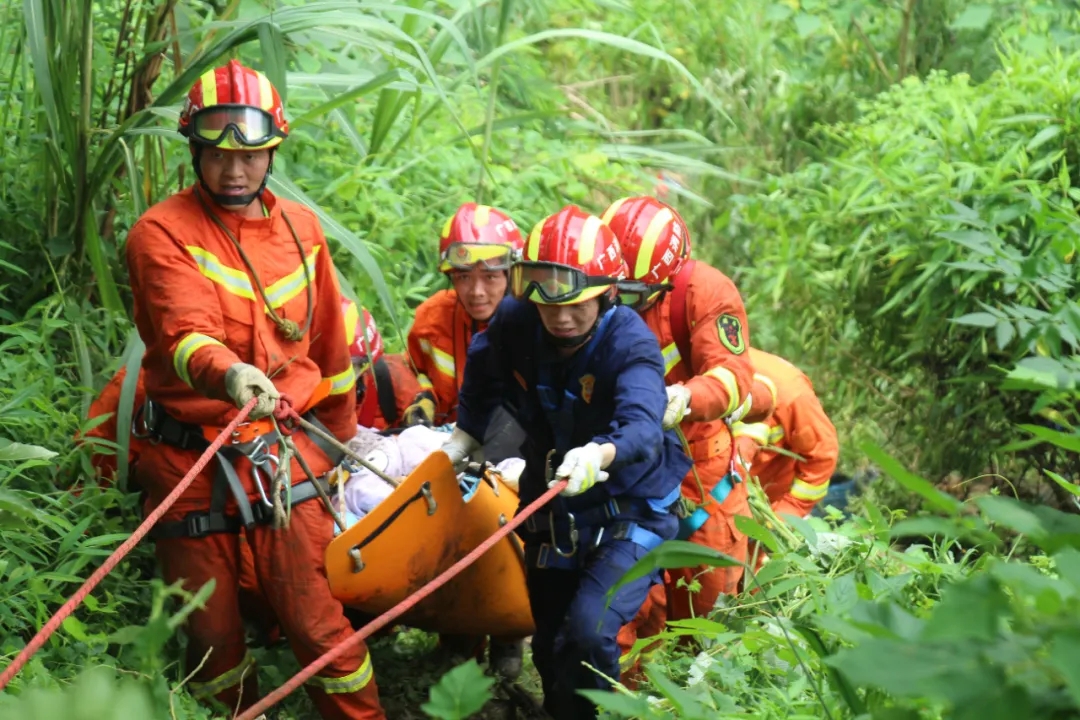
[(892, 184)]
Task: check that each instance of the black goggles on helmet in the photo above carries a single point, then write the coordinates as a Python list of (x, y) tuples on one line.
[(637, 295), (552, 284), (250, 127)]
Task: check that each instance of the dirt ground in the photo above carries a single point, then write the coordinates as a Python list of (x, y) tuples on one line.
[(407, 664)]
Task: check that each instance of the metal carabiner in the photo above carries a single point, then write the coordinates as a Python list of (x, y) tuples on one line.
[(573, 536), (261, 457)]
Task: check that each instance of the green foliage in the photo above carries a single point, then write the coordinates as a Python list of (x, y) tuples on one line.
[(460, 693), (931, 251)]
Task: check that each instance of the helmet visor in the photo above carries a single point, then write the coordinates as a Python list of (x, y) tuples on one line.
[(250, 127), (550, 284), (465, 256)]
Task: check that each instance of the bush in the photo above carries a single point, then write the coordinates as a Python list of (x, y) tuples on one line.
[(932, 250)]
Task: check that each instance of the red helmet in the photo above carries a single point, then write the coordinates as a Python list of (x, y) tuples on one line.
[(234, 108), (479, 235), (570, 257), (654, 239), (361, 334)]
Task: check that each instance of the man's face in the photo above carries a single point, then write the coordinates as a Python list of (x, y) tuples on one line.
[(234, 172), (567, 321), (479, 291)]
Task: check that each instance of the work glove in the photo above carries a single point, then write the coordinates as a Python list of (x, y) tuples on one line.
[(421, 412), (243, 382), (581, 467), (678, 405), (459, 447)]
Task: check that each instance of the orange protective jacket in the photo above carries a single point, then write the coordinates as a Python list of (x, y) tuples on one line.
[(198, 311), (798, 424), (404, 386), (719, 377), (438, 344)]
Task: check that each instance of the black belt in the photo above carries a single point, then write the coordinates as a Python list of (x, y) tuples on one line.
[(158, 426)]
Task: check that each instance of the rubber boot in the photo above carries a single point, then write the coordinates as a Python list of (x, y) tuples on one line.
[(504, 657)]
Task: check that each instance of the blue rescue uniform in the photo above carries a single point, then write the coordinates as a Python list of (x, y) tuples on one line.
[(577, 548)]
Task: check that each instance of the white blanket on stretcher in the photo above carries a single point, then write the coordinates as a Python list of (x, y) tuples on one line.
[(397, 456)]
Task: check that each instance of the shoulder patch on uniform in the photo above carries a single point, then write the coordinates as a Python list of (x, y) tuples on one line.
[(588, 382), (729, 328)]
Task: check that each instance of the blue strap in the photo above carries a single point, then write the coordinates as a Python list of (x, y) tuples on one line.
[(660, 507), (545, 557), (690, 525), (645, 538)]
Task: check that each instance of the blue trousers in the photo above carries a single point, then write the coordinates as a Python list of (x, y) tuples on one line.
[(574, 624)]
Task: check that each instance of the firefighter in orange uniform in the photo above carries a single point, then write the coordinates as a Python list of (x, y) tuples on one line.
[(797, 424), (697, 315), (476, 248), (235, 298), (385, 384)]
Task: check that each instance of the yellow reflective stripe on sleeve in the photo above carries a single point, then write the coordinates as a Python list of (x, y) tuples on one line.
[(292, 284), (727, 379), (776, 435), (186, 349), (587, 240), (767, 382), (444, 361), (352, 319), (233, 280), (648, 242), (802, 490), (225, 680), (425, 382), (342, 382), (353, 682), (758, 432), (671, 357)]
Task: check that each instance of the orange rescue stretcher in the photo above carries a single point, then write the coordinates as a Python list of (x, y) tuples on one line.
[(425, 526)]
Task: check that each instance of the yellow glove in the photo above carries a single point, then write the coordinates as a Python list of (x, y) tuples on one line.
[(243, 382)]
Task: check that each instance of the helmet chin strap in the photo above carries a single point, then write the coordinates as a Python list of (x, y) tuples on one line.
[(230, 200), (579, 340)]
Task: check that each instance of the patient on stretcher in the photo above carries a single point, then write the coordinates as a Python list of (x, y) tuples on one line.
[(397, 456)]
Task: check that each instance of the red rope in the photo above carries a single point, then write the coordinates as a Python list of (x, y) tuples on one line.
[(75, 600), (401, 608)]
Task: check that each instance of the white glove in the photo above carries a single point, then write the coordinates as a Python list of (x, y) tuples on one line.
[(243, 382), (740, 412), (581, 466), (459, 447), (678, 405)]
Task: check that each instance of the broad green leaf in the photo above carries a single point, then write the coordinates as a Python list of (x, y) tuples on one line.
[(1045, 135), (460, 693), (16, 452), (968, 610), (934, 497), (1048, 528), (973, 17), (979, 319), (1067, 441), (622, 706), (673, 554), (754, 530), (955, 673), (807, 24)]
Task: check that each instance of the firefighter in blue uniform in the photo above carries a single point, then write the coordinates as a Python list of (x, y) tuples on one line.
[(585, 380)]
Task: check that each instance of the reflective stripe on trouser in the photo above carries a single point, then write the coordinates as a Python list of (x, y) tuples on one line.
[(291, 571)]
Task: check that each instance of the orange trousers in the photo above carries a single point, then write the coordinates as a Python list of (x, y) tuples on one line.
[(289, 567), (671, 602)]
